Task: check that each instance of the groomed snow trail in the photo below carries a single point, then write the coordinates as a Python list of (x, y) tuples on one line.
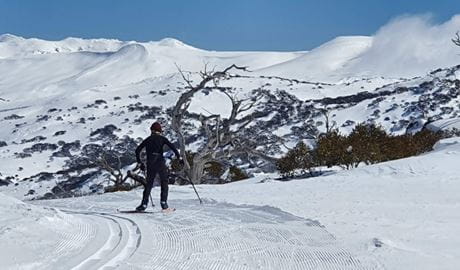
[(209, 236), (123, 240)]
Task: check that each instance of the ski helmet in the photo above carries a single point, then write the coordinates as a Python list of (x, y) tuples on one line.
[(156, 127)]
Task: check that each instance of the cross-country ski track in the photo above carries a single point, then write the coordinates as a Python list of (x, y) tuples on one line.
[(213, 235)]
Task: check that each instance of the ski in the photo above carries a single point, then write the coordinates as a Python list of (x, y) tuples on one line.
[(134, 212), (164, 211)]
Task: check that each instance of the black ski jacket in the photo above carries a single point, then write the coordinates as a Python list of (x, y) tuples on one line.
[(154, 148)]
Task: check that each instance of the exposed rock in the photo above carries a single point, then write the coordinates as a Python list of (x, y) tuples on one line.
[(100, 102), (13, 117), (40, 147), (4, 182), (66, 148), (59, 133), (41, 118), (105, 133), (22, 155)]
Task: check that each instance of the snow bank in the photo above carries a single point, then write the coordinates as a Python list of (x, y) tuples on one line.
[(29, 233)]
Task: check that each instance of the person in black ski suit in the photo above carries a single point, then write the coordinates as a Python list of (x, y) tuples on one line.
[(155, 165)]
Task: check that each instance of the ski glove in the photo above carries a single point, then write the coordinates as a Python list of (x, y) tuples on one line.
[(142, 166)]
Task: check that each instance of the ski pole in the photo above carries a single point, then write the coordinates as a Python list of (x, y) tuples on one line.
[(183, 178), (151, 200), (196, 192)]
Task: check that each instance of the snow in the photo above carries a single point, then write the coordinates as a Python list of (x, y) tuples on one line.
[(413, 41), (111, 62), (401, 214), (33, 237), (323, 62), (445, 124)]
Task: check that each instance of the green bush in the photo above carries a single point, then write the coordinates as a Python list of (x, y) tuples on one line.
[(298, 158), (367, 143), (236, 174), (331, 149), (214, 169)]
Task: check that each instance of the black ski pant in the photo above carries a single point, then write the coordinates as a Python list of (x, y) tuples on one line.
[(152, 170)]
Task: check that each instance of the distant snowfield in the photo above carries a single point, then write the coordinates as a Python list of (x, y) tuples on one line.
[(406, 47), (402, 214)]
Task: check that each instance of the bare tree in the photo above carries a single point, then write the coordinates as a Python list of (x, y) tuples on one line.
[(330, 125), (456, 39), (112, 157), (117, 178), (223, 136)]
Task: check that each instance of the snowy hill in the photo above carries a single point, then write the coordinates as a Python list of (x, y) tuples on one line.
[(327, 62), (58, 98)]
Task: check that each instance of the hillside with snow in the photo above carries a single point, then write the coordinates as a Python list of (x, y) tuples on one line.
[(61, 100), (58, 97), (396, 215)]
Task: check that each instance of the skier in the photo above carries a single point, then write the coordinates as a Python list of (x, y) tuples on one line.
[(155, 165)]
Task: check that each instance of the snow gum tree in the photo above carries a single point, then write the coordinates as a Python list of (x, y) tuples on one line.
[(223, 136)]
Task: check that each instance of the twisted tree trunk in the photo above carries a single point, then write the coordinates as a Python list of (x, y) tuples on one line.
[(221, 141)]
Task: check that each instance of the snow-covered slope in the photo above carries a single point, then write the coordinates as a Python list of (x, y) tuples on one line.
[(325, 63), (33, 237), (61, 100), (54, 104), (402, 214), (76, 64)]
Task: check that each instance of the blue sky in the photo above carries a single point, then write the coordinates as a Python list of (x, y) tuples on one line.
[(278, 25)]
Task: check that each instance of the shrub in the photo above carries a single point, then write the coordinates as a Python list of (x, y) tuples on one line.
[(236, 174), (331, 149), (425, 140), (368, 143), (298, 158), (214, 169)]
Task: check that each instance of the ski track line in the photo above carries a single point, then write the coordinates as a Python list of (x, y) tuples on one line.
[(123, 241), (73, 240), (109, 245), (69, 242), (244, 238)]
